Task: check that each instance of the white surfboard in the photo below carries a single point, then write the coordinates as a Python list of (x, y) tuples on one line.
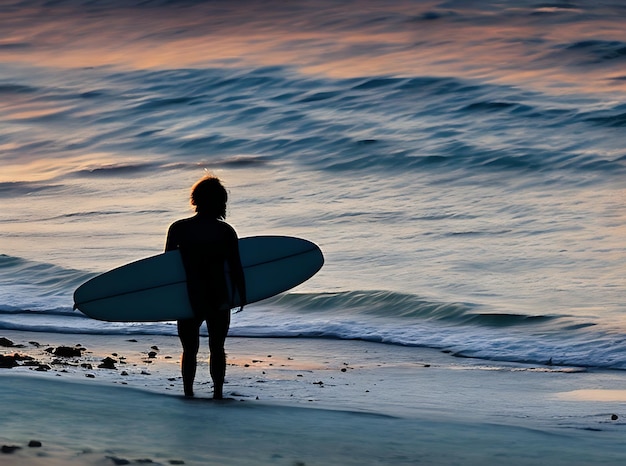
[(155, 289)]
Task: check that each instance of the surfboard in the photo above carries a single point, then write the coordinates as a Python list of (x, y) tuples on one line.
[(154, 289)]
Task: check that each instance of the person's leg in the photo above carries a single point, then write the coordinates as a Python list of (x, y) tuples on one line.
[(189, 334), (217, 326)]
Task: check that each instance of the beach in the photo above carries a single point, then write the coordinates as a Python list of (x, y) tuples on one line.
[(300, 401)]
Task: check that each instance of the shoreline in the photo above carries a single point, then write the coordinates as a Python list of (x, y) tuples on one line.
[(282, 389)]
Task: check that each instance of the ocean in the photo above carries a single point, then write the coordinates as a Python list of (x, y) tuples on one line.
[(461, 164)]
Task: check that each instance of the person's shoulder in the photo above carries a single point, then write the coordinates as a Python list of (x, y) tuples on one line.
[(227, 228), (181, 223)]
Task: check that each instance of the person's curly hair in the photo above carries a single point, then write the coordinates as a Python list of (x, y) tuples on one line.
[(210, 197)]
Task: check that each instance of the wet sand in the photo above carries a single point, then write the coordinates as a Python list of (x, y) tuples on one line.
[(299, 401)]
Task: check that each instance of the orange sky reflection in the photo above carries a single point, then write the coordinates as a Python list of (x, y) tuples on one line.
[(339, 40)]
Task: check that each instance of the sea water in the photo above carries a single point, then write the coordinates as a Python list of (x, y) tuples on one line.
[(462, 165)]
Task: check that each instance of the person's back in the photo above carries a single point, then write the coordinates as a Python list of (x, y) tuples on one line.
[(208, 247)]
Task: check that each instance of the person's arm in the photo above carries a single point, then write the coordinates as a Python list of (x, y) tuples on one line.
[(171, 242), (234, 262)]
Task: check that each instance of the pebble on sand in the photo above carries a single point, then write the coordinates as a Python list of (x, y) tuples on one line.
[(6, 342), (66, 351), (8, 449), (107, 363), (7, 362)]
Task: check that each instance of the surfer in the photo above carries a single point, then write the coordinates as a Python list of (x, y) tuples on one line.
[(207, 245)]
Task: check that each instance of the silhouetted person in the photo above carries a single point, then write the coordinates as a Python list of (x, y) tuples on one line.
[(209, 248)]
